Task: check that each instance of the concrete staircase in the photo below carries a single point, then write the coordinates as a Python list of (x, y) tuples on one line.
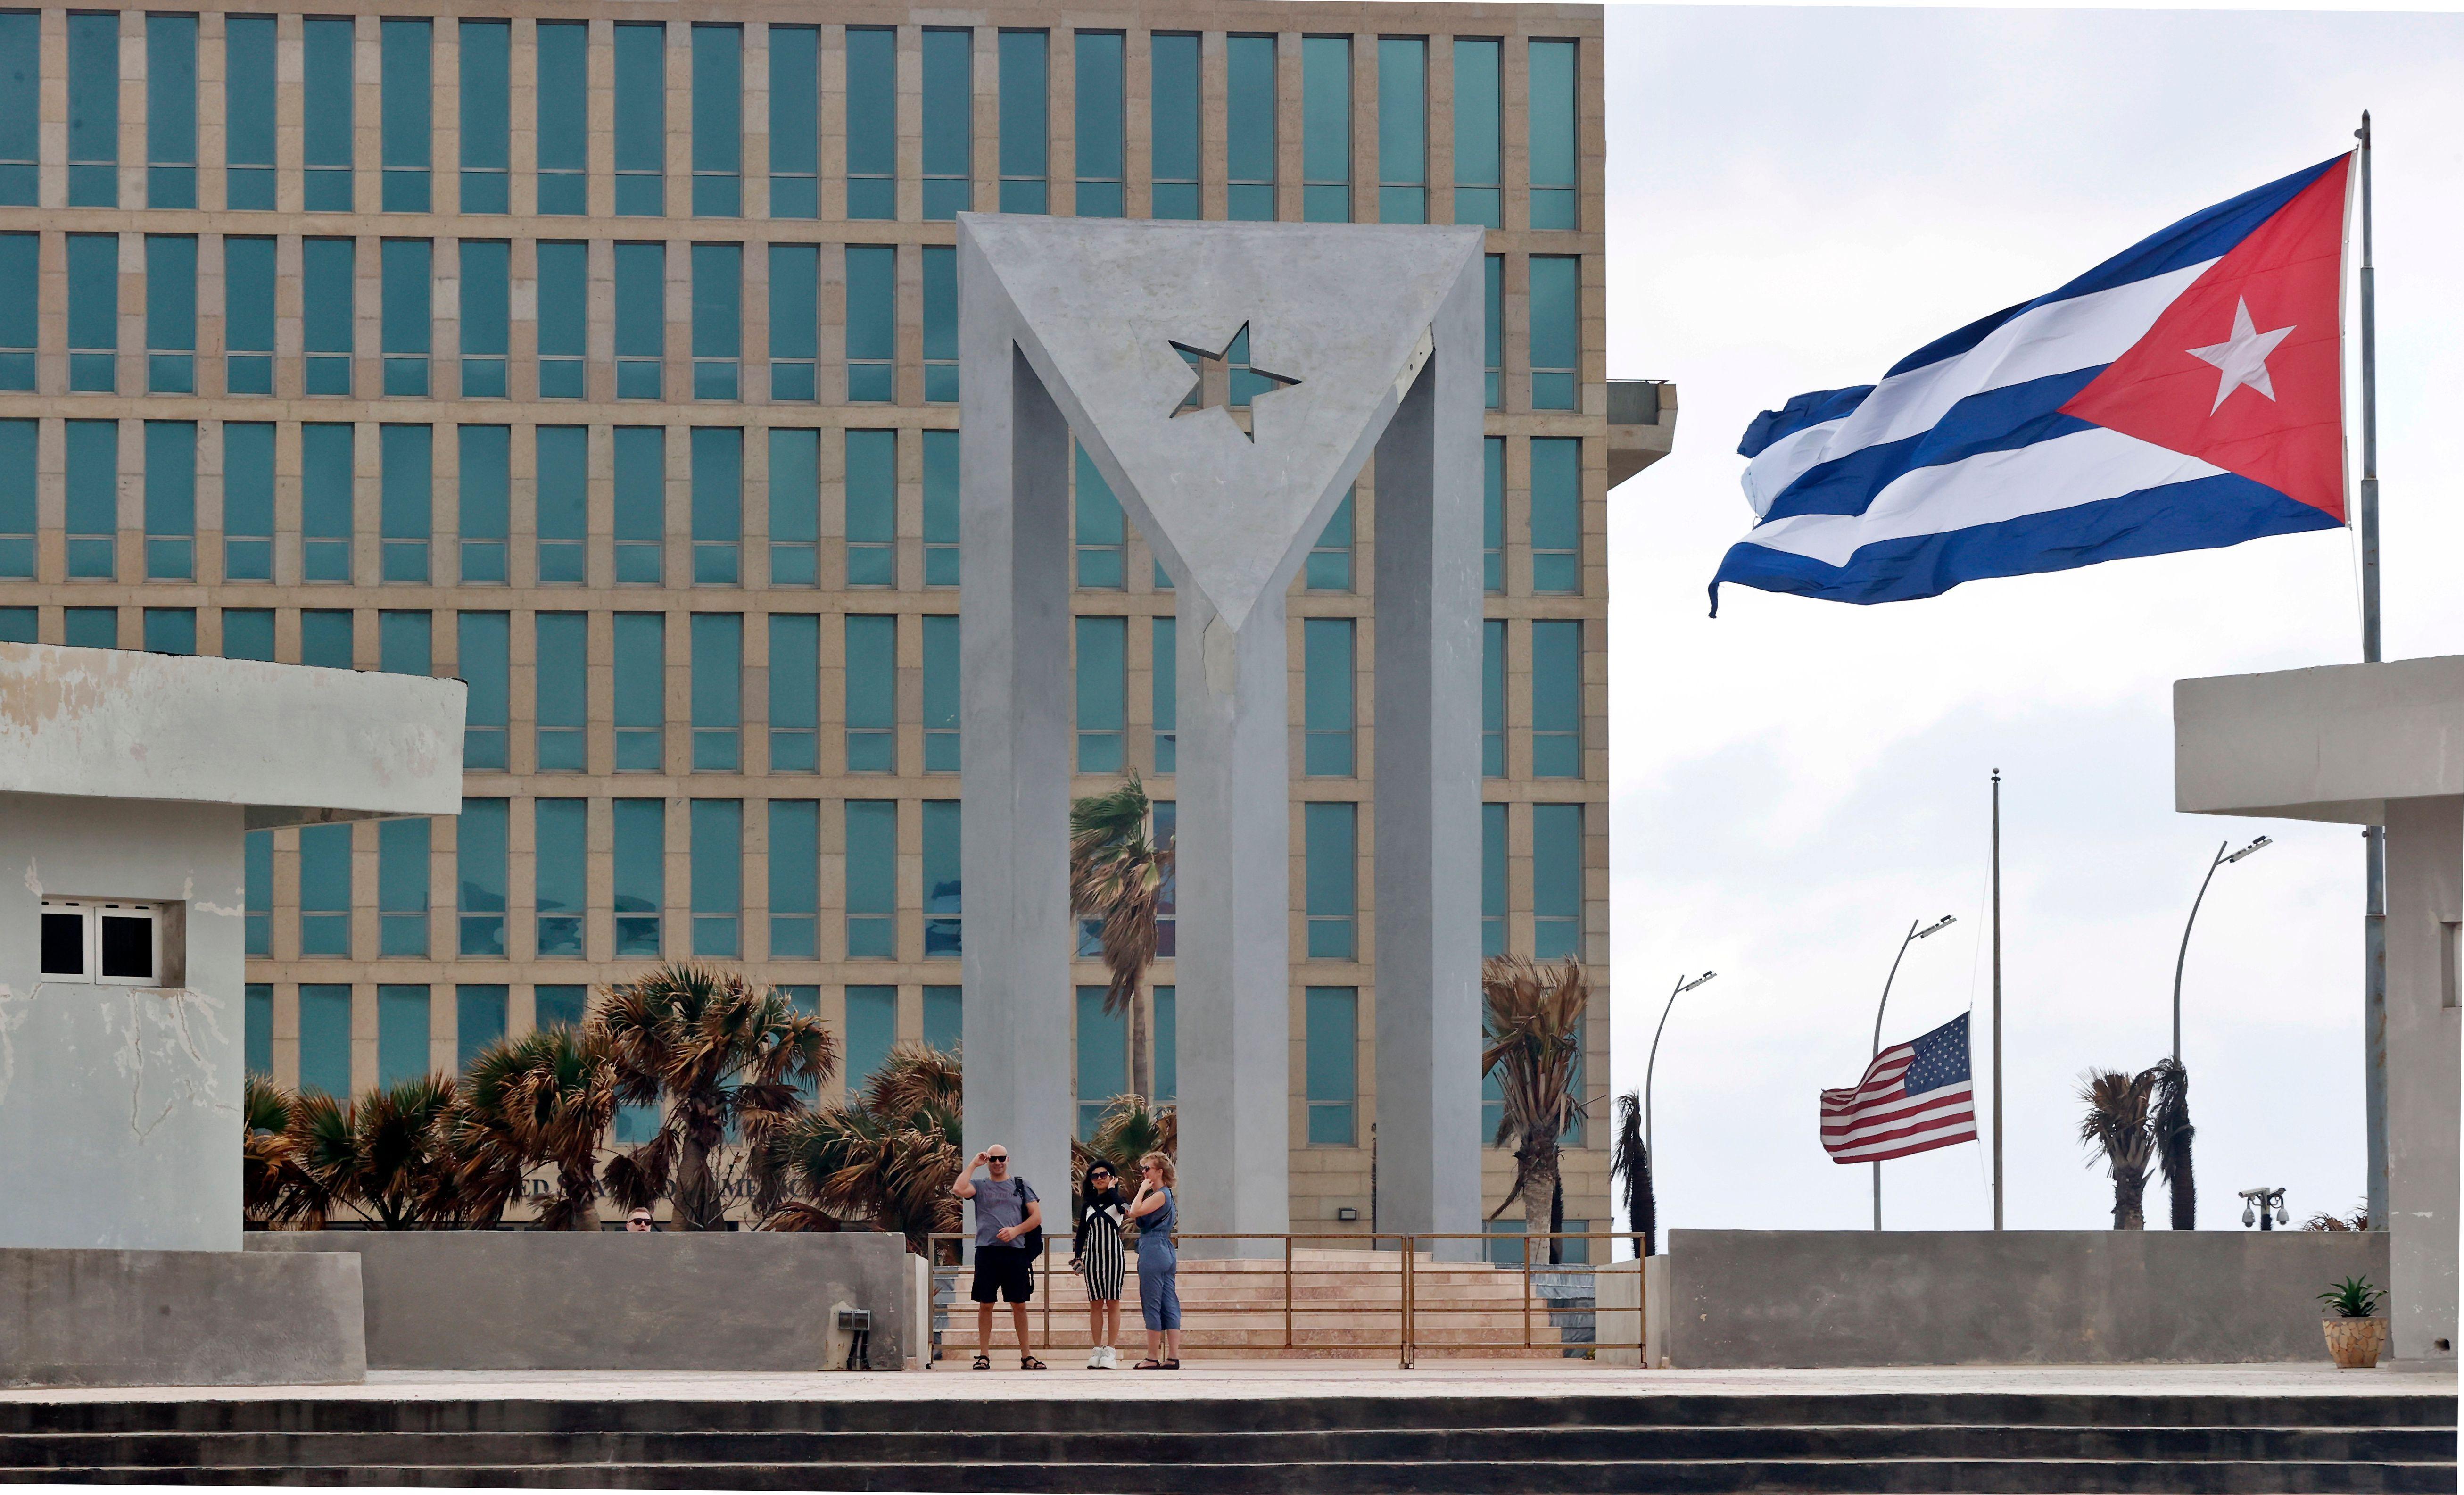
[(1343, 1304), (1341, 1444)]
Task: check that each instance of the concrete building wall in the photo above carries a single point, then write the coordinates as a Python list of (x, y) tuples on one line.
[(2424, 893)]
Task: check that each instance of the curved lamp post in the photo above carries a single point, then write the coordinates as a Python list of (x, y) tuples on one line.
[(2221, 860), (1649, 1158), (1914, 934)]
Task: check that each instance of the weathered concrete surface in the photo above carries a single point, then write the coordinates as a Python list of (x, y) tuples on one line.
[(613, 1300), (1815, 1298), (179, 1318)]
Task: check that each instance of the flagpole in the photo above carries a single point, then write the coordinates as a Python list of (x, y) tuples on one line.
[(1997, 998), (2374, 841)]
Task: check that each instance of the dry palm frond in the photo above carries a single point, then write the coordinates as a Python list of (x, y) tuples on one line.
[(274, 1189), (1532, 1028), (1631, 1163), (2116, 1127), (2170, 1122), (378, 1154), (887, 1159), (544, 1099)]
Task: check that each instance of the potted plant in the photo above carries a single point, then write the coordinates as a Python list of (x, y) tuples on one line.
[(2357, 1332)]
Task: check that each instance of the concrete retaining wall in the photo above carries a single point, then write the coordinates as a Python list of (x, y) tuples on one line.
[(612, 1301), (179, 1318), (1751, 1298)]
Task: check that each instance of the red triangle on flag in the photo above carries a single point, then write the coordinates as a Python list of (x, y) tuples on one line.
[(2245, 370)]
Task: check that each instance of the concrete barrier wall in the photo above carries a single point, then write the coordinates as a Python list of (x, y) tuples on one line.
[(178, 1318), (524, 1300), (1754, 1298)]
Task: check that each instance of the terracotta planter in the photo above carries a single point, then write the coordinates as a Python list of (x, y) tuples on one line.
[(2356, 1342)]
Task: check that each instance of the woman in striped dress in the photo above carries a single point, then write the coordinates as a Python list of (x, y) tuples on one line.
[(1095, 1255)]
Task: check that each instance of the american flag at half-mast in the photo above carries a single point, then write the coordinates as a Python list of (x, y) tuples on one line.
[(1915, 1097)]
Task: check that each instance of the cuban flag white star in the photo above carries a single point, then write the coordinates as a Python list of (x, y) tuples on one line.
[(2242, 360)]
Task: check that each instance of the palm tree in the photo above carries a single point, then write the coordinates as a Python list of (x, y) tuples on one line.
[(1534, 1030), (274, 1189), (1117, 875), (1130, 1127), (1631, 1163), (727, 1057), (886, 1158), (2174, 1135), (2118, 1127), (378, 1154), (545, 1098)]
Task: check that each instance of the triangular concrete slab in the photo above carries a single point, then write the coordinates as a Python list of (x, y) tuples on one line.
[(1345, 309)]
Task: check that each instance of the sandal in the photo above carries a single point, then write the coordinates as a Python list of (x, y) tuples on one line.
[(983, 1362), (1150, 1365), (1171, 1365), (1029, 1363)]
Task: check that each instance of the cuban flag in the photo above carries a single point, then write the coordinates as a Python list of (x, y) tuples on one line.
[(2185, 394)]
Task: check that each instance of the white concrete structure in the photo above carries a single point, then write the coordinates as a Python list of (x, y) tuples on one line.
[(2370, 745), (126, 781), (1372, 336)]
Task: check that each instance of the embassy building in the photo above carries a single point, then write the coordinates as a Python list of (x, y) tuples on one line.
[(605, 357)]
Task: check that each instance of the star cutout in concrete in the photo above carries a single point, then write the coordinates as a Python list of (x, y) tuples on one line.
[(2242, 360), (1226, 378)]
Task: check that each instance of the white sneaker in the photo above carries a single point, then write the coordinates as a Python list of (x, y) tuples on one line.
[(1095, 1359), (1111, 1358)]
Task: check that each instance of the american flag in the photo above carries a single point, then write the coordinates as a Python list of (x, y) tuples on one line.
[(1915, 1097)]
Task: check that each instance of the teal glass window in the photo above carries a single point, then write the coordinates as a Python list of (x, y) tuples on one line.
[(1329, 567), (717, 504), (401, 1034), (94, 313), (92, 499), (1165, 706), (1327, 696), (563, 691), (941, 324), (1102, 681), (795, 878), (327, 271), (1558, 699), (1330, 1041), (941, 693), (485, 504), (872, 1031), (172, 314), (478, 1021), (871, 693), (717, 691), (327, 73), (247, 633), (170, 111), (1102, 1045), (795, 320), (942, 903), (640, 875), (1478, 115), (1556, 880), (561, 867), (717, 320), (1557, 331), (872, 879), (21, 92), (20, 266), (872, 122), (558, 1006), (795, 122), (563, 119), (487, 316), (19, 625), (560, 495), (247, 501), (1102, 538), (871, 518), (1492, 514), (17, 501), (1552, 136), (1402, 129), (717, 121), (795, 692), (1492, 698), (563, 318), (406, 489), (795, 506), (1556, 514), (408, 310), (945, 1023), (940, 508), (717, 877), (406, 642), (327, 638), (170, 501), (257, 884), (402, 885), (1097, 108), (249, 94), (1249, 128), (1492, 890), (170, 631), (485, 666), (1166, 1037), (406, 67), (641, 692), (641, 119), (1025, 136), (94, 109), (1174, 100), (640, 484), (1493, 325), (949, 121), (325, 1038), (90, 628), (325, 891), (1326, 129), (640, 319), (247, 315), (1329, 854), (871, 323), (486, 118)]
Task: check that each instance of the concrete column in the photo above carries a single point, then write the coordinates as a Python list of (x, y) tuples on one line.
[(2425, 892)]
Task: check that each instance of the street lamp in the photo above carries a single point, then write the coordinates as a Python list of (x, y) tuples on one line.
[(1914, 934), (2257, 1204), (2221, 859), (1650, 1159)]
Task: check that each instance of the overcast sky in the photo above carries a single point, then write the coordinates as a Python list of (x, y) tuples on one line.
[(1798, 198)]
